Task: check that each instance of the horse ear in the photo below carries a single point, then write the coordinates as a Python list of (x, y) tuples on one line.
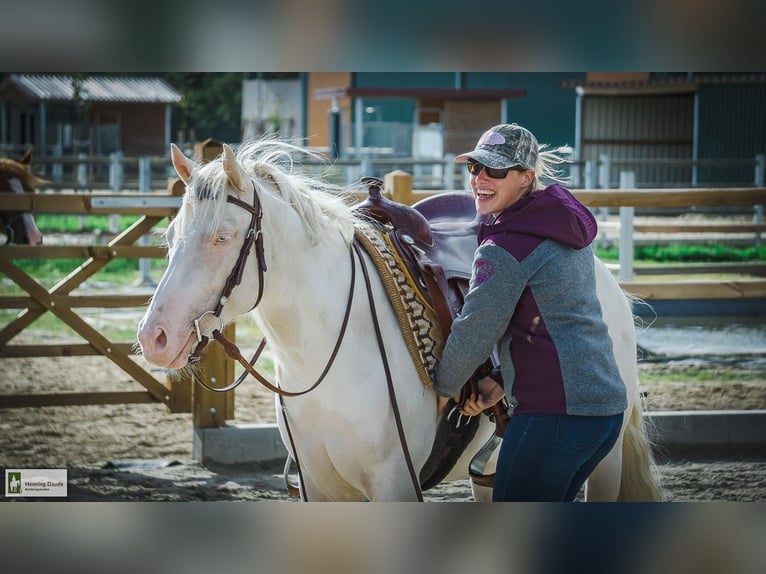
[(183, 165), (231, 169), (27, 157)]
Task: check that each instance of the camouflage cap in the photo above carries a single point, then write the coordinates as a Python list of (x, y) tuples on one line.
[(504, 145)]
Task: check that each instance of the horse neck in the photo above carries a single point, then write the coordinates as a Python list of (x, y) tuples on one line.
[(306, 289)]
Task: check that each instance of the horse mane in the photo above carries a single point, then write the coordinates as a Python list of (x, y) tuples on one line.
[(274, 166)]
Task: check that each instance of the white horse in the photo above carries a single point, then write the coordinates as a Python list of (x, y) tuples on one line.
[(342, 433)]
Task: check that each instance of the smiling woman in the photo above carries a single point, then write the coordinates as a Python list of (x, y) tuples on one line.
[(534, 303)]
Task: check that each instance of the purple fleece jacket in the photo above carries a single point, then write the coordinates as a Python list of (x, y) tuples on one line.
[(532, 298)]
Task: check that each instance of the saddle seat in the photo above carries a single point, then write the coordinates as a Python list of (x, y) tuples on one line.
[(454, 226)]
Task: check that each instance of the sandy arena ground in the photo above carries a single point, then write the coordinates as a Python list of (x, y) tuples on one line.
[(92, 441)]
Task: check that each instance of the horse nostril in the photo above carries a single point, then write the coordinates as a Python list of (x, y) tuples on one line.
[(162, 339)]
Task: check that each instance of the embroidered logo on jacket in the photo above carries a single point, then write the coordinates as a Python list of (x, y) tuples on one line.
[(484, 271)]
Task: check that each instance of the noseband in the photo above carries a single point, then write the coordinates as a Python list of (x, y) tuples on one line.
[(254, 236)]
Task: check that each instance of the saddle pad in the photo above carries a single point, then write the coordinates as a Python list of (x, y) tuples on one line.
[(417, 320)]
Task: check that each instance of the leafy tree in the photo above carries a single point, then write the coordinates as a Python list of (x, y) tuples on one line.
[(211, 106)]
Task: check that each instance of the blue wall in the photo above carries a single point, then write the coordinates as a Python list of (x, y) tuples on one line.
[(548, 110)]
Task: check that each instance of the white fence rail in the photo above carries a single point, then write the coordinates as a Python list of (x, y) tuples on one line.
[(118, 172)]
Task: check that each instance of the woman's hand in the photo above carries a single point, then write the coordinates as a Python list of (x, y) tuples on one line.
[(489, 393)]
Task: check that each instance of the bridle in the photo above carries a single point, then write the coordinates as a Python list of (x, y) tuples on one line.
[(10, 232), (254, 237)]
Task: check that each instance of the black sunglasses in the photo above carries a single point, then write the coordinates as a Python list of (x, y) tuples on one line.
[(474, 168)]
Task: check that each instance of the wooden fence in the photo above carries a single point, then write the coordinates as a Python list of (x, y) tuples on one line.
[(178, 393), (398, 186), (184, 395)]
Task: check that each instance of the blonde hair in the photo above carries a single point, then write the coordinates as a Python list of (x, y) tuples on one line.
[(547, 167)]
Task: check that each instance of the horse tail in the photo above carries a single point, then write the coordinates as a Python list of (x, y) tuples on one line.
[(639, 481)]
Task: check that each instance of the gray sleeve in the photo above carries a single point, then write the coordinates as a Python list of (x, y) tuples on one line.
[(497, 282)]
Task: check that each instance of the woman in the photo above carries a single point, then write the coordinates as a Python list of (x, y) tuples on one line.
[(533, 300)]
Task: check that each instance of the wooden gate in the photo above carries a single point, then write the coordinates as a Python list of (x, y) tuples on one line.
[(178, 393), (59, 301)]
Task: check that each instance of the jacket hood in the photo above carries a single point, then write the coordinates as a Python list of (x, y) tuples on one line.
[(552, 213)]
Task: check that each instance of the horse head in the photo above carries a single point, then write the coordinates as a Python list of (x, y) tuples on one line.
[(208, 242), (17, 177)]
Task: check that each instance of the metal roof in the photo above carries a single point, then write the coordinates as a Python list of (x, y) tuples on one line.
[(95, 88), (664, 84)]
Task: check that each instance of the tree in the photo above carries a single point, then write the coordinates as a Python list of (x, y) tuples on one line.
[(211, 106)]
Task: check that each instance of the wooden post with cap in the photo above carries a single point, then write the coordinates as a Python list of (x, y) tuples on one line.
[(397, 185)]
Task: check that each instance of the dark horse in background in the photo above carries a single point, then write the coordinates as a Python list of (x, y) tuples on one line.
[(17, 177)]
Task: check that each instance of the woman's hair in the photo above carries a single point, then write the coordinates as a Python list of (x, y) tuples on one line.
[(548, 165)]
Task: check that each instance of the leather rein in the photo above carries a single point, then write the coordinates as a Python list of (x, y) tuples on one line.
[(254, 237)]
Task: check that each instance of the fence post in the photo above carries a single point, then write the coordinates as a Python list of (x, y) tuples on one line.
[(116, 176), (575, 172), (82, 180), (760, 172), (590, 174), (144, 186), (365, 167), (604, 171), (627, 181), (58, 171), (449, 171), (398, 186)]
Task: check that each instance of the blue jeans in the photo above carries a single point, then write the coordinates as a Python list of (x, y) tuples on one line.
[(547, 458)]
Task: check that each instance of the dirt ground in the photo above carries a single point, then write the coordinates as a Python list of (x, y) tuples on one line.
[(140, 452)]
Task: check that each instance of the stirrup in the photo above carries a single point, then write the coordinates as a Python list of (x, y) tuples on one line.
[(293, 488), (479, 462)]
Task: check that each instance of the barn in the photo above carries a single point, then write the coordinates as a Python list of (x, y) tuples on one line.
[(95, 115)]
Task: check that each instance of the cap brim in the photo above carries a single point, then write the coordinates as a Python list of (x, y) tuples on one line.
[(486, 157)]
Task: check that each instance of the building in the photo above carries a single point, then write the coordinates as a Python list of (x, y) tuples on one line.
[(90, 114), (694, 129), (706, 128)]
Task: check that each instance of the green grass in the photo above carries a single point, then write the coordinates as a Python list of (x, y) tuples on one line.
[(48, 272), (85, 223), (699, 374), (688, 254)]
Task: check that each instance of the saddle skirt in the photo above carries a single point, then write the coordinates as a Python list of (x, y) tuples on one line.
[(417, 318)]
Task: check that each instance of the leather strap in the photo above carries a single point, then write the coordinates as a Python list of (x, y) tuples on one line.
[(254, 235), (389, 379), (233, 352)]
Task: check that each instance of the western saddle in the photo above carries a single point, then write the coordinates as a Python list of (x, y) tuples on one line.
[(436, 239)]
